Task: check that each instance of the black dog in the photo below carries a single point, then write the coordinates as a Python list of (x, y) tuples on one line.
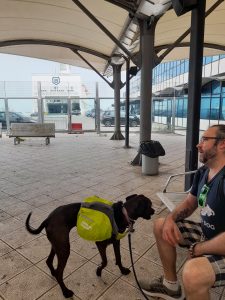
[(59, 223)]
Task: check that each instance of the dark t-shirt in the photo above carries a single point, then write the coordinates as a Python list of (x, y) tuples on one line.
[(213, 213)]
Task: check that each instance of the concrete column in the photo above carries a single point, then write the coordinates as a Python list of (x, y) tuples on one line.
[(7, 115), (117, 86), (147, 37), (147, 34), (40, 104), (69, 114), (97, 109)]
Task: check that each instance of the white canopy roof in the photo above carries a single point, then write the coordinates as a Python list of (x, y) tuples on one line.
[(49, 29)]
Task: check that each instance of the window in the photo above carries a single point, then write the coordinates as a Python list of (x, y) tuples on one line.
[(215, 107), (205, 108)]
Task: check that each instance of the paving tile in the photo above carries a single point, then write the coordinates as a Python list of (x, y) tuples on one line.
[(38, 215), (57, 193), (145, 270), (4, 248), (39, 200), (12, 264), (49, 207), (111, 266), (125, 291), (9, 225), (74, 262), (139, 243), (28, 285), (28, 195), (8, 201), (17, 208), (85, 248), (56, 294), (35, 250), (86, 285), (18, 237), (4, 215)]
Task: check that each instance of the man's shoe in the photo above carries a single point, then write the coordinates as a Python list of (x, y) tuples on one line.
[(157, 289)]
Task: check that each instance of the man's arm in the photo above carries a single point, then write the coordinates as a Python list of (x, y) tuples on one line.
[(185, 208), (171, 233), (214, 246)]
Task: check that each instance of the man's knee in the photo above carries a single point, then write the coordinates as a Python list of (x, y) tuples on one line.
[(194, 277), (190, 275), (157, 226)]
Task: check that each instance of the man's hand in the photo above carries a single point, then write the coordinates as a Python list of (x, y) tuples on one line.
[(171, 233)]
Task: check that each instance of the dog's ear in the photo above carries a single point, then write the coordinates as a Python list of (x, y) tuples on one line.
[(131, 197)]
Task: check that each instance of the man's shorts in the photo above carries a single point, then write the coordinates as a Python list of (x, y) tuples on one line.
[(192, 232)]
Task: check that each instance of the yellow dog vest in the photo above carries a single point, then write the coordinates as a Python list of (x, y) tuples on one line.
[(95, 220)]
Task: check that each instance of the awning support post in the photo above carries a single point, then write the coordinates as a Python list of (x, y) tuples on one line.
[(194, 91)]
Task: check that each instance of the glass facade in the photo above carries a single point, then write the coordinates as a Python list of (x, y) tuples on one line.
[(170, 87)]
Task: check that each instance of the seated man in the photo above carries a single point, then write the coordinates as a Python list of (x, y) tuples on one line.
[(205, 240)]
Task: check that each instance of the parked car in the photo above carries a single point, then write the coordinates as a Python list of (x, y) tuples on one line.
[(34, 114), (14, 117), (93, 113), (108, 119)]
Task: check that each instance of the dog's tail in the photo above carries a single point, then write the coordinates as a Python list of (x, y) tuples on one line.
[(33, 230)]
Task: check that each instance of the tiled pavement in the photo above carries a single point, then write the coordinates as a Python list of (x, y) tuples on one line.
[(37, 177)]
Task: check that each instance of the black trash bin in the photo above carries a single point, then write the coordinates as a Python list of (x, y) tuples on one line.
[(150, 151)]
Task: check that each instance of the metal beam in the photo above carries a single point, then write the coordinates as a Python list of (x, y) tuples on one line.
[(129, 5), (53, 43), (92, 67), (102, 27), (187, 44), (177, 42)]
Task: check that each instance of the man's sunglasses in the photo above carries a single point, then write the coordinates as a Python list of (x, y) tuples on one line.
[(206, 138), (203, 196)]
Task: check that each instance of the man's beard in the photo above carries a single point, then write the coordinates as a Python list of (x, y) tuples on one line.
[(208, 155)]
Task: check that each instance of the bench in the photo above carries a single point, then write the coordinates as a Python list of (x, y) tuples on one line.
[(0, 130), (20, 130), (172, 198)]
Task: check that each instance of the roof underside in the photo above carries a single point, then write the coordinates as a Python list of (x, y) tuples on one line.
[(59, 30)]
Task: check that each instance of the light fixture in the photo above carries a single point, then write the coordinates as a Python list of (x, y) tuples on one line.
[(154, 7), (117, 59), (133, 71), (183, 6)]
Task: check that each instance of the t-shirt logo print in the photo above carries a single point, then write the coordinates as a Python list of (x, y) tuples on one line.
[(207, 211)]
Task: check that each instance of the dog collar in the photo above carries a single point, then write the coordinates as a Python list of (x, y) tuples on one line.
[(130, 221)]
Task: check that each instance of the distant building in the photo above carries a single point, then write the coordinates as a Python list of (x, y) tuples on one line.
[(170, 92), (56, 89)]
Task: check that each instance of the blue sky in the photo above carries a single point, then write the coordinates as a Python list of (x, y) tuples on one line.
[(17, 71)]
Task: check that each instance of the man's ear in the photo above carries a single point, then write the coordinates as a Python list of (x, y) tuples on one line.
[(222, 145), (130, 197)]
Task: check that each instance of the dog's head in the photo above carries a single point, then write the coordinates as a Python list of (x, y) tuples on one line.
[(139, 206)]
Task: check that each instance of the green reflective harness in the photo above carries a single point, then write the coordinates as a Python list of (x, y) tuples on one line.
[(95, 220)]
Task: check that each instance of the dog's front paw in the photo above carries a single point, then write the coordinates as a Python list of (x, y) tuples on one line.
[(99, 271), (68, 293), (125, 271)]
